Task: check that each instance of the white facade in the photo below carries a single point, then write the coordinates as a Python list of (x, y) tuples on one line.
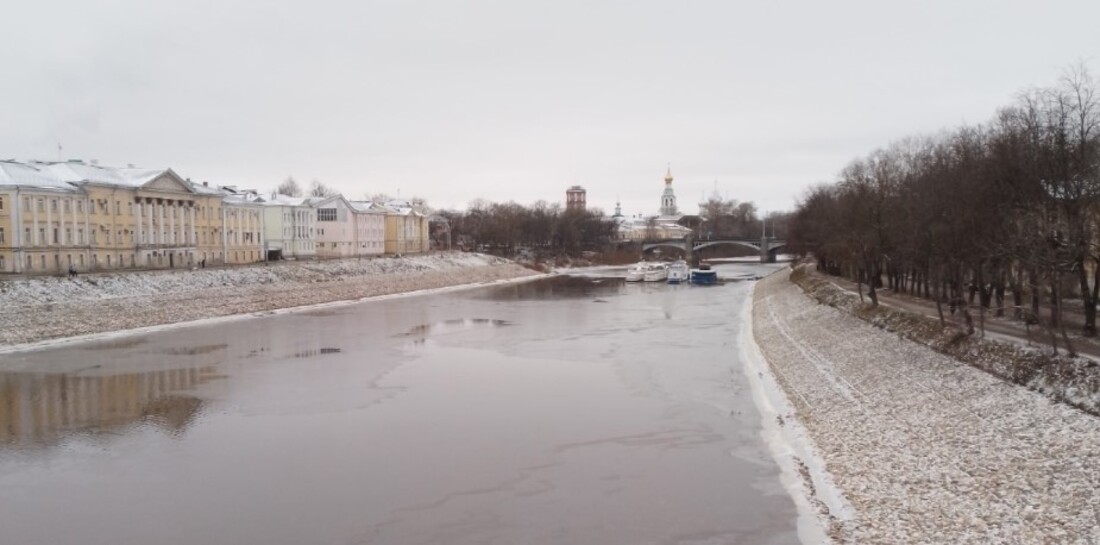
[(289, 228)]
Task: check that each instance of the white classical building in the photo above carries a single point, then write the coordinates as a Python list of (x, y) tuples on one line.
[(289, 224)]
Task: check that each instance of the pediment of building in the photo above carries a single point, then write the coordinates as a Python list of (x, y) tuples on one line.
[(168, 182)]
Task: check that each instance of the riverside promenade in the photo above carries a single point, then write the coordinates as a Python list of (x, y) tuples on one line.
[(924, 448)]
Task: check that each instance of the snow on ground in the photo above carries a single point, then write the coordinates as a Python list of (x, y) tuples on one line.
[(926, 449), (41, 308)]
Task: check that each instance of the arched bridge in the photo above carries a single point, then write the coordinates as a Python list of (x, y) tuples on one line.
[(767, 247)]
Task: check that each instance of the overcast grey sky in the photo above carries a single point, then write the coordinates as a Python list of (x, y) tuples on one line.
[(511, 100)]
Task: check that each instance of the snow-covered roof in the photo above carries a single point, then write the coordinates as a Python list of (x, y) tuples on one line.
[(203, 189), (14, 173), (367, 206), (283, 200), (79, 172)]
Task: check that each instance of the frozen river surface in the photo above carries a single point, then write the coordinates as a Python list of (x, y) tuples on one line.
[(565, 410)]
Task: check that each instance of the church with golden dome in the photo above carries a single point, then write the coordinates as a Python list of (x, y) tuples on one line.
[(668, 197), (663, 225)]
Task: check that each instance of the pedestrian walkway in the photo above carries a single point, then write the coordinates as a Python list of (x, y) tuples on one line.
[(1009, 329)]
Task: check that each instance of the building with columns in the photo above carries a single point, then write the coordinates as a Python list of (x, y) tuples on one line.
[(242, 226), (57, 215)]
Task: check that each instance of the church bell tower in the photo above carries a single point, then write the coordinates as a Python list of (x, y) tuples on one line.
[(668, 198)]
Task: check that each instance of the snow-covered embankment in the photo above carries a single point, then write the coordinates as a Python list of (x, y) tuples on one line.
[(923, 448), (36, 309)]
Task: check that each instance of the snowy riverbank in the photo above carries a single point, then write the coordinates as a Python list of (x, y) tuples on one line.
[(37, 309), (923, 448)]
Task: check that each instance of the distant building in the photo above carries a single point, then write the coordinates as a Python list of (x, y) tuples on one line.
[(668, 197), (664, 225), (575, 198), (289, 224)]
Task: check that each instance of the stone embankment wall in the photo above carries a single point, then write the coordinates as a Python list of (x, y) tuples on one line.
[(924, 448), (36, 309)]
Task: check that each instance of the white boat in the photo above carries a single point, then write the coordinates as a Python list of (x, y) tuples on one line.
[(658, 272), (636, 273), (678, 272)]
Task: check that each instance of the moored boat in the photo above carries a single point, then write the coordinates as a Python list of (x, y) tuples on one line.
[(636, 273), (658, 272), (704, 275), (678, 272)]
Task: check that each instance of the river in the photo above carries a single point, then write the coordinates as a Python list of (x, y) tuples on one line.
[(571, 409)]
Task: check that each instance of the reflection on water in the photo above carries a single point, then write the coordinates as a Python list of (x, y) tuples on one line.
[(39, 409), (309, 353), (558, 287), (421, 333)]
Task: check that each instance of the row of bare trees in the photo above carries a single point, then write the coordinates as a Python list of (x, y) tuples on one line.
[(1007, 209), (542, 228), (291, 188)]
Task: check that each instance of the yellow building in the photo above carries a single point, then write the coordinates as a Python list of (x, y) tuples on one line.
[(54, 216), (243, 219), (44, 221), (406, 231)]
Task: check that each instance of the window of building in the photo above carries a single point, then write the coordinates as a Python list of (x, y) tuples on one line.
[(26, 204), (326, 214), (53, 205), (130, 209), (42, 236), (41, 205), (68, 236), (29, 267), (108, 260), (2, 267), (81, 260), (80, 236), (67, 205), (1, 202), (1, 235), (92, 237), (118, 212), (80, 206), (42, 261), (56, 238)]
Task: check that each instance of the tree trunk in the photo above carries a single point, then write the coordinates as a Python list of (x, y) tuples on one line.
[(871, 285), (1033, 284), (859, 285), (1017, 297), (1088, 296)]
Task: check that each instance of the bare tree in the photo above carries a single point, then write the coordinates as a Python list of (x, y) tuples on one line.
[(289, 187), (318, 189)]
